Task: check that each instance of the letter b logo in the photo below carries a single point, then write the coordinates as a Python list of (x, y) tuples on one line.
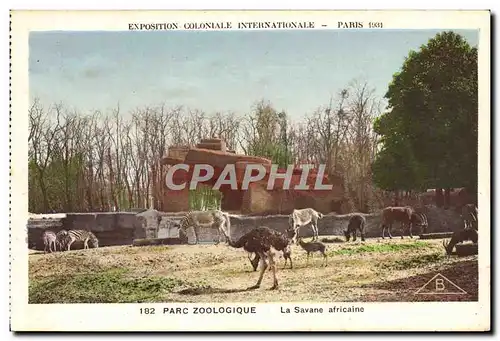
[(440, 284)]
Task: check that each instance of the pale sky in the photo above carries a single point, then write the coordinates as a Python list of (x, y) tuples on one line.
[(297, 70)]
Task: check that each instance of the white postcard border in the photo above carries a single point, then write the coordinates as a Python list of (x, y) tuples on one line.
[(377, 316)]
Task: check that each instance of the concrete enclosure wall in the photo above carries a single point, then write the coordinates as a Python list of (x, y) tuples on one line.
[(332, 224), (111, 228), (121, 228)]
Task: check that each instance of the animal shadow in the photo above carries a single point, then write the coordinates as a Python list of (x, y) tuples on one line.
[(211, 290), (335, 240)]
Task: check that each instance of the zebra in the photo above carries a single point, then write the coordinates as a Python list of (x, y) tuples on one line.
[(214, 219), (470, 222), (469, 216), (49, 241), (303, 217), (420, 219), (71, 236), (60, 239)]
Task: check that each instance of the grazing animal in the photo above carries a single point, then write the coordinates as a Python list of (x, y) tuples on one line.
[(356, 222), (49, 241), (420, 220), (406, 216), (263, 241), (84, 236), (459, 237), (303, 217), (471, 222), (60, 237), (211, 218), (312, 247), (469, 216)]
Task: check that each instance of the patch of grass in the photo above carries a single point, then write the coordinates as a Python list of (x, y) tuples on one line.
[(367, 248), (413, 262), (56, 263), (110, 286)]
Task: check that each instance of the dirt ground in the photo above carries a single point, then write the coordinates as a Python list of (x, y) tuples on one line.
[(376, 270)]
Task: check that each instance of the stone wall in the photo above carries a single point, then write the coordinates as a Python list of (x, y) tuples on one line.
[(111, 228), (175, 200), (36, 227), (259, 200), (121, 228), (332, 224)]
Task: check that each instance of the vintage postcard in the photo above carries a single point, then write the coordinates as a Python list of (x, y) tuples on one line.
[(250, 171)]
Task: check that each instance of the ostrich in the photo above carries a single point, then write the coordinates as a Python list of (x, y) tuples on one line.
[(264, 241), (285, 248)]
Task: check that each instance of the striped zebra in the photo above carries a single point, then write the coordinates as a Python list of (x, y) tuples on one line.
[(71, 236), (214, 219), (470, 221), (49, 241), (469, 216), (420, 219), (60, 239)]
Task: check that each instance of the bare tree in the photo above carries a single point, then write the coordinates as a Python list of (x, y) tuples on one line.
[(361, 143), (89, 162), (42, 137), (127, 156), (89, 137), (327, 129), (226, 127)]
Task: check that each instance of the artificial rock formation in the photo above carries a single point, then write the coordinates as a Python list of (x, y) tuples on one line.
[(257, 199)]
